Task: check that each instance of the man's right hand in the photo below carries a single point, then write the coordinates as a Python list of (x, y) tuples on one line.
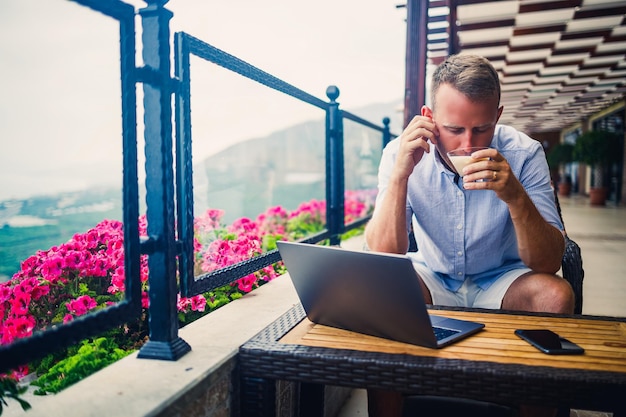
[(386, 231), (413, 143)]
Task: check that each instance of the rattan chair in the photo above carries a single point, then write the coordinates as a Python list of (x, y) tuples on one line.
[(572, 264), (573, 272)]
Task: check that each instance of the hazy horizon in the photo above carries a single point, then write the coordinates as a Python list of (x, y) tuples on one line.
[(91, 173)]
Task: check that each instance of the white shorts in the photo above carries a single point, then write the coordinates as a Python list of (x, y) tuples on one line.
[(469, 294)]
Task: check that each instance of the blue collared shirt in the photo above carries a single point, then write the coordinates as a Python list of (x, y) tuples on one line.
[(468, 234)]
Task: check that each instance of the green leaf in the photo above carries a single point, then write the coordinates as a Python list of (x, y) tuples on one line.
[(9, 388), (90, 358), (597, 147)]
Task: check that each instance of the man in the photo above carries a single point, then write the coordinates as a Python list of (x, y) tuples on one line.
[(490, 237)]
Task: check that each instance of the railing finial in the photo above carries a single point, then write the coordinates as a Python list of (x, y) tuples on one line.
[(332, 92), (386, 131)]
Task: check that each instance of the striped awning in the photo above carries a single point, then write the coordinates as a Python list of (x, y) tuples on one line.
[(559, 60)]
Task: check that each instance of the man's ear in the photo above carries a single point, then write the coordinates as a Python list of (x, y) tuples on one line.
[(428, 112), (499, 113)]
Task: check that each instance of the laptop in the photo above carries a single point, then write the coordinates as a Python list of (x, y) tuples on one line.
[(367, 292)]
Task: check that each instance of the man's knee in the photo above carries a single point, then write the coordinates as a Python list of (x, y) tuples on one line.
[(540, 293), (562, 294), (428, 298)]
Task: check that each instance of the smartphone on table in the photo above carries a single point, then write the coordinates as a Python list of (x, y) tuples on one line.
[(549, 342)]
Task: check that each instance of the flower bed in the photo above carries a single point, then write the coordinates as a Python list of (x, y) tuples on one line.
[(87, 273)]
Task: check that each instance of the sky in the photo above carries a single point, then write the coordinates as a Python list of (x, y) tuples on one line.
[(60, 111)]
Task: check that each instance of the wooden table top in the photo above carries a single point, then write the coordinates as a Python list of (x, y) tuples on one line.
[(604, 341)]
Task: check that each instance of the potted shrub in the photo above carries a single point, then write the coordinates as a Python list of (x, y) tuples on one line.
[(562, 153), (598, 149)]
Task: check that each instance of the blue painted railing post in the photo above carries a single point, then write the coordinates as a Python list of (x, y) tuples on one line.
[(334, 168), (158, 87), (386, 131)]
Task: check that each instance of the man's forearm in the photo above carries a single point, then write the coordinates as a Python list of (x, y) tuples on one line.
[(541, 245), (386, 231)]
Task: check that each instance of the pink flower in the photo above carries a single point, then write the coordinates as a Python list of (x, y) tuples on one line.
[(197, 245), (143, 225), (39, 291), (117, 281), (198, 303), (29, 266), (16, 327), (26, 285), (20, 303), (5, 292), (209, 221), (145, 299), (144, 268), (182, 303), (243, 225), (52, 268), (269, 273), (246, 284), (81, 305)]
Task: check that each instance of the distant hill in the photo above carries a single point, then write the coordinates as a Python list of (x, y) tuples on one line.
[(287, 167)]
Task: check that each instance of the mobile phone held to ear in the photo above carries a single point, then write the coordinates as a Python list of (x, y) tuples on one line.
[(549, 342)]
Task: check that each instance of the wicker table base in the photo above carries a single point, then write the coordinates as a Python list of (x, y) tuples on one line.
[(493, 365)]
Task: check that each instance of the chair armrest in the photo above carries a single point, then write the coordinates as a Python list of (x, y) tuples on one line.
[(573, 272)]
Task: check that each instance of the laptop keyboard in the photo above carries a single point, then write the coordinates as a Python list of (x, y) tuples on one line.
[(441, 333)]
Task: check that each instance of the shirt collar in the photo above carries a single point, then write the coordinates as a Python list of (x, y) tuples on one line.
[(440, 163)]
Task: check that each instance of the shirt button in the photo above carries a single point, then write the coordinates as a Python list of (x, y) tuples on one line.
[(459, 253), (459, 193), (459, 227), (459, 273)]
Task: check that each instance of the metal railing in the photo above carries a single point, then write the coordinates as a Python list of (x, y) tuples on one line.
[(41, 343), (169, 185)]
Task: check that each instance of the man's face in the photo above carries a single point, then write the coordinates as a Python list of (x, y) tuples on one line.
[(460, 122)]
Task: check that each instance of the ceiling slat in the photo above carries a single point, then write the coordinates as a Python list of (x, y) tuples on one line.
[(558, 60)]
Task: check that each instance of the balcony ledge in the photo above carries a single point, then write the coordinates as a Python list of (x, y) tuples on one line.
[(145, 387)]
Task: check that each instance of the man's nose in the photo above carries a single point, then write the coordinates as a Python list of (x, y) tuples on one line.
[(466, 140)]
